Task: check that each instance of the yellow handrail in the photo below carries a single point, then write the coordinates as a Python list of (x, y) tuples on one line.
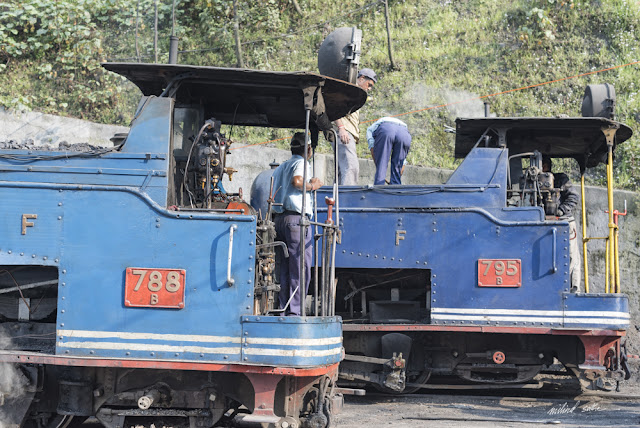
[(613, 282), (612, 255)]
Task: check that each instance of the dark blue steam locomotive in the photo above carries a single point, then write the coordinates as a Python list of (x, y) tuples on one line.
[(471, 278), (135, 289)]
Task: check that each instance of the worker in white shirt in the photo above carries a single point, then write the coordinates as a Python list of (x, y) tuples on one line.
[(388, 138)]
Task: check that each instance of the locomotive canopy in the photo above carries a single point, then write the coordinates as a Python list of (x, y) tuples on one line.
[(245, 97), (579, 138)]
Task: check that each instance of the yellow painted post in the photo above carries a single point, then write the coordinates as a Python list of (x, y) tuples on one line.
[(606, 266), (612, 226), (606, 243), (584, 235), (617, 259)]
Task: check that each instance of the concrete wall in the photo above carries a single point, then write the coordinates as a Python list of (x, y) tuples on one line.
[(37, 129)]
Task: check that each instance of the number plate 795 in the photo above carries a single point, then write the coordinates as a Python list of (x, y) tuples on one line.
[(154, 288), (499, 273)]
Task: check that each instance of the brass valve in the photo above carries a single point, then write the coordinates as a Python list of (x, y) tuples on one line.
[(230, 171)]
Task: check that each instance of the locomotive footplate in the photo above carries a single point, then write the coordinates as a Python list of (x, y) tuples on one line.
[(36, 358)]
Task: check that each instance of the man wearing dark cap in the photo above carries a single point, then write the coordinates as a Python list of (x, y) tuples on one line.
[(348, 129), (567, 201), (288, 182)]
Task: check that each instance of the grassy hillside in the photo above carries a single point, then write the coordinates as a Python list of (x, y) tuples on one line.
[(446, 51)]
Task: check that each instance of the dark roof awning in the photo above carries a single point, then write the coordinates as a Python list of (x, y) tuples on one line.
[(244, 97), (580, 138)]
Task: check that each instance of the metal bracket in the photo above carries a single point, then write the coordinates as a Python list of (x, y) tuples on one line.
[(609, 133)]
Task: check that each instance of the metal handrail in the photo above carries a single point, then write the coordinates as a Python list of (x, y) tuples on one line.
[(230, 280)]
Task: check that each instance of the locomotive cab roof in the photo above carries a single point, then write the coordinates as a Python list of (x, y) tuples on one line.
[(246, 97), (581, 138)]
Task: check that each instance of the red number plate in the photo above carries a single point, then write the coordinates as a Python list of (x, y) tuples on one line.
[(154, 288), (499, 273)]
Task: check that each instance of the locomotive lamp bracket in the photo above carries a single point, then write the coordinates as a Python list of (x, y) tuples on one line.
[(609, 133), (502, 137)]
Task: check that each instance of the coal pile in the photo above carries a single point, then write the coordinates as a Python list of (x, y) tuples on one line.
[(60, 147)]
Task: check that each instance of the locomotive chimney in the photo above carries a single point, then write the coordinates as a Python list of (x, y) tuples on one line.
[(173, 39)]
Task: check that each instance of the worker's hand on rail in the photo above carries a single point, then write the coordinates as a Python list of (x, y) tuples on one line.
[(344, 136)]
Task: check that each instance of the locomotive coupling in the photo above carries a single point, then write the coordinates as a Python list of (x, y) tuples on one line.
[(148, 399)]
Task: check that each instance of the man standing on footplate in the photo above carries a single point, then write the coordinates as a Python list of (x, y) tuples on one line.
[(288, 183)]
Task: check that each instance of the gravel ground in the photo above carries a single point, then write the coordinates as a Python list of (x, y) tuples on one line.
[(507, 408), (435, 410), (461, 409)]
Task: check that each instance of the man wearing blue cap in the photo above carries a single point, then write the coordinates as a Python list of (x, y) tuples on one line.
[(349, 135)]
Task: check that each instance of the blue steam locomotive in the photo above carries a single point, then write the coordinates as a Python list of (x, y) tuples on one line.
[(471, 278), (135, 289)]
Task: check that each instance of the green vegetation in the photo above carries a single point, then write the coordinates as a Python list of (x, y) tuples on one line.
[(447, 51)]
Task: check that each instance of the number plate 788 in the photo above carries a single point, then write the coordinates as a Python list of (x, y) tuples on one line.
[(154, 288)]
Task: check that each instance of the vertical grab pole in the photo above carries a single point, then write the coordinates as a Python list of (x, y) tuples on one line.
[(612, 225), (585, 260), (323, 288), (616, 256), (607, 268), (336, 231), (332, 273), (303, 217), (335, 180), (329, 257), (315, 245), (611, 280)]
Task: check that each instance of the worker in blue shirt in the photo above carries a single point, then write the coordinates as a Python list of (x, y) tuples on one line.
[(388, 138), (288, 183)]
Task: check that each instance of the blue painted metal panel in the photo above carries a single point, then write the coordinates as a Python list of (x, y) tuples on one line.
[(151, 128), (149, 176), (291, 341), (587, 311), (103, 230), (450, 243), (133, 235), (489, 191), (40, 243), (482, 165), (142, 162), (447, 229)]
